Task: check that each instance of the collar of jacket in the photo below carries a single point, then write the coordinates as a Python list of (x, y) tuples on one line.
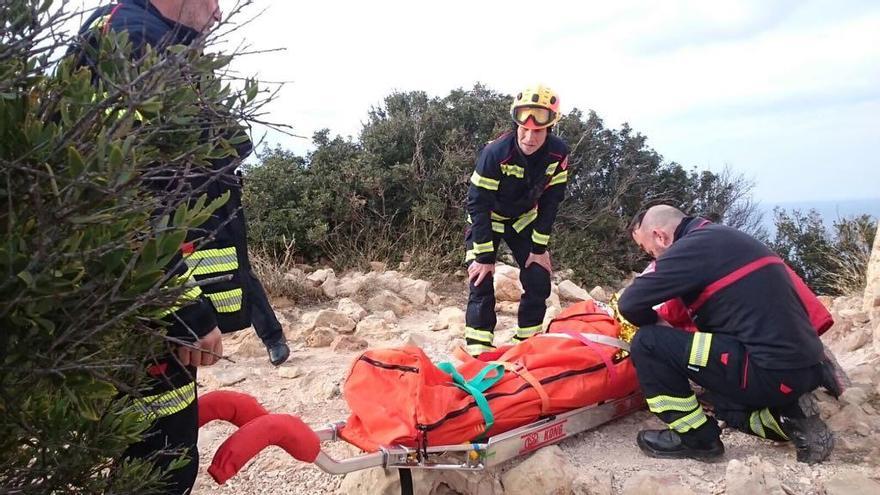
[(688, 225), (181, 35)]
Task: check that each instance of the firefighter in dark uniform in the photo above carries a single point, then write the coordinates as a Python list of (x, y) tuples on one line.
[(755, 351), (217, 250), (514, 195)]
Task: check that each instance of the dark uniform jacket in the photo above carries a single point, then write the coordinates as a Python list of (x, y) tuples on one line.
[(508, 186), (762, 310), (221, 244)]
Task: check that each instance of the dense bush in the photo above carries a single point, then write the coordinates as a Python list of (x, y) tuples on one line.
[(397, 193), (832, 262), (86, 239)]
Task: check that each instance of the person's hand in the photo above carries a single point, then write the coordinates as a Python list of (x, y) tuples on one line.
[(205, 352), (479, 271), (542, 260)]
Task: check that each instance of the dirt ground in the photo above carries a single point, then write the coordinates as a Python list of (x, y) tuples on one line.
[(308, 386)]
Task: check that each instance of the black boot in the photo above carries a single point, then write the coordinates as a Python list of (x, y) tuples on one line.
[(812, 438), (668, 444), (278, 352), (834, 379)]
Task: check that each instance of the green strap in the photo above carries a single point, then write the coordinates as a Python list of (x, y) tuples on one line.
[(476, 386)]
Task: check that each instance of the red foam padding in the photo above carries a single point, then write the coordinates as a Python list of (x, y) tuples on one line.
[(234, 407), (282, 430)]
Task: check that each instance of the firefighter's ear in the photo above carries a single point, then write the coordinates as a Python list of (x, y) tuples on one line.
[(663, 238)]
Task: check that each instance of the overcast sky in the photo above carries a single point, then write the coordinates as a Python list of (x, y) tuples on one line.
[(786, 92)]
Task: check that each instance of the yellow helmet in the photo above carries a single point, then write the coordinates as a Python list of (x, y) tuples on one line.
[(535, 107)]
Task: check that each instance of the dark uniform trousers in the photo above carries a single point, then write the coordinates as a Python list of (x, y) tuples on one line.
[(744, 395), (480, 317), (172, 406)]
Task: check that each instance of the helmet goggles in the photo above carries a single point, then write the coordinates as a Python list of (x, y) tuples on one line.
[(533, 117)]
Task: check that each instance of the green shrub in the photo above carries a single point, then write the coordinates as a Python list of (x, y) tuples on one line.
[(86, 240)]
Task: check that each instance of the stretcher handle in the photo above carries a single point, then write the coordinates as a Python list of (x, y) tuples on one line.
[(226, 405), (282, 430)]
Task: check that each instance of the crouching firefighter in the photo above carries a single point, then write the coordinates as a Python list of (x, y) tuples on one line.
[(755, 350), (515, 191)]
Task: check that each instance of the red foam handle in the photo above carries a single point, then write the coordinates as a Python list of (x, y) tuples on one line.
[(234, 407), (282, 430)]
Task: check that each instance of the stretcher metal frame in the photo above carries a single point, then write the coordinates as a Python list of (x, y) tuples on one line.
[(479, 456)]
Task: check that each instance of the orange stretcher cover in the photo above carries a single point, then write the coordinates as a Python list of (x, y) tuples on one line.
[(399, 397)]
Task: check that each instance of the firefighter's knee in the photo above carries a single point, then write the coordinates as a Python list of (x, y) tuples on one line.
[(642, 344), (485, 289), (535, 279)]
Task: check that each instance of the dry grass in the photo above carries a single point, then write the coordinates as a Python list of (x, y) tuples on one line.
[(281, 278), (848, 272)]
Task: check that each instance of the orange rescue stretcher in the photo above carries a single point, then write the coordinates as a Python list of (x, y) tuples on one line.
[(408, 413)]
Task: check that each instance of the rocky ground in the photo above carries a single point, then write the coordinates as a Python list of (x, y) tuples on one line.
[(387, 308)]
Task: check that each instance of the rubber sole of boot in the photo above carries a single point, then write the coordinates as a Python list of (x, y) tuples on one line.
[(706, 455), (812, 438)]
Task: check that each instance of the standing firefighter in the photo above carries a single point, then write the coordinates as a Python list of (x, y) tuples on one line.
[(514, 194), (756, 350), (216, 251)]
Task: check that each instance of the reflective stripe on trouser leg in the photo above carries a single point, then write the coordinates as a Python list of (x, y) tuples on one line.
[(522, 333), (700, 346), (682, 414), (478, 341), (664, 403), (690, 421), (763, 424)]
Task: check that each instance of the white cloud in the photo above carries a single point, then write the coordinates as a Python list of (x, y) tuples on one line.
[(778, 90)]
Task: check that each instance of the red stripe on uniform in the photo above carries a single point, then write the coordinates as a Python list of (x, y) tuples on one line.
[(731, 278), (106, 28)]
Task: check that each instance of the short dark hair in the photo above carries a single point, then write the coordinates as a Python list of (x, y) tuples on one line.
[(636, 221)]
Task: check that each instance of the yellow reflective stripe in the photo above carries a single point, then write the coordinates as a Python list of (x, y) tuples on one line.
[(485, 247), (526, 332), (469, 255), (700, 349), (188, 296), (525, 219), (496, 216), (99, 24), (539, 238), (153, 407), (770, 422), (210, 261), (484, 336), (514, 170), (498, 227), (227, 301), (551, 169), (484, 182), (477, 349), (202, 254), (560, 178), (755, 424), (663, 403), (689, 422)]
